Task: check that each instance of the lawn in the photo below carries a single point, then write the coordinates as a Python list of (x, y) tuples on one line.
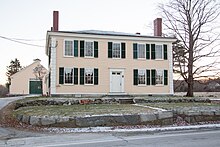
[(83, 110), (174, 106)]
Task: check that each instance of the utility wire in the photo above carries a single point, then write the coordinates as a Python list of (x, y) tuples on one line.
[(16, 40)]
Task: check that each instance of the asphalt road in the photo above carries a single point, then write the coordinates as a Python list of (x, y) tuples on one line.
[(202, 138), (5, 101)]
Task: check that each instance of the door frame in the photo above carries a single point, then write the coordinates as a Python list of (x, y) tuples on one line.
[(122, 79)]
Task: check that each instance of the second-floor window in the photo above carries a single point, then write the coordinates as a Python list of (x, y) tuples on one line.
[(68, 48), (158, 52), (141, 51), (89, 49), (116, 50)]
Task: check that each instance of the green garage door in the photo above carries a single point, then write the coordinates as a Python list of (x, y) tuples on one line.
[(35, 87)]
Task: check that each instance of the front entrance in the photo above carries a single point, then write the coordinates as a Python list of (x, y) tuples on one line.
[(117, 81), (35, 87)]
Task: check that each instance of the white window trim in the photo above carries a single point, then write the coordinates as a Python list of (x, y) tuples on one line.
[(162, 52), (141, 85), (64, 48), (85, 76), (120, 49), (138, 51), (160, 85), (64, 76), (85, 49)]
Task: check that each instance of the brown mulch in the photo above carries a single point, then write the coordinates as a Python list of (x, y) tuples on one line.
[(8, 120)]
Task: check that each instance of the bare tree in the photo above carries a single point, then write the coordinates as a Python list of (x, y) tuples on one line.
[(39, 72), (194, 23)]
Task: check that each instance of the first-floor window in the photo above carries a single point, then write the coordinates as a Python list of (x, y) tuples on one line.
[(116, 50), (159, 77), (68, 75), (89, 76), (141, 77)]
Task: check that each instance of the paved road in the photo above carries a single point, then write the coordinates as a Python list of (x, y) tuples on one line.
[(202, 138), (5, 101)]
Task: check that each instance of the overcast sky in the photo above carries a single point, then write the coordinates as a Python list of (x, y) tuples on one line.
[(29, 20)]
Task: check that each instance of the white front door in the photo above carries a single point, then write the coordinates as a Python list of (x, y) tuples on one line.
[(117, 81)]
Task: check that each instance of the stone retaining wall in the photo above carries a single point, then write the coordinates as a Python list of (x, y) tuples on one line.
[(159, 118)]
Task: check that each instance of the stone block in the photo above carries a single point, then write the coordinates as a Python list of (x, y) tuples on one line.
[(192, 113), (26, 119), (209, 113), (131, 119), (34, 120), (19, 117), (217, 113), (48, 120), (147, 117), (165, 114), (90, 121), (62, 119)]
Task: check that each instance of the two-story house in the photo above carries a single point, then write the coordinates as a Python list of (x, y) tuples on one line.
[(109, 63)]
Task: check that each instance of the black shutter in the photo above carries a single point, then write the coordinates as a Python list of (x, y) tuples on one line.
[(148, 76), (61, 75), (152, 51), (82, 71), (153, 77), (165, 52), (96, 76), (75, 48), (135, 50), (81, 48), (109, 49), (96, 50), (147, 51), (75, 76), (123, 50), (135, 77), (165, 77)]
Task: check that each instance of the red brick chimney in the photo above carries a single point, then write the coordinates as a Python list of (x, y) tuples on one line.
[(158, 27), (55, 21)]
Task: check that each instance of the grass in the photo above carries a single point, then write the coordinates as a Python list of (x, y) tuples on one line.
[(82, 110), (169, 106)]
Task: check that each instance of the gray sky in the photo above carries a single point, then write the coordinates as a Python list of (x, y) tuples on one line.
[(30, 20)]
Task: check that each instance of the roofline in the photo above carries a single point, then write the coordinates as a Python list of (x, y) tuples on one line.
[(108, 34)]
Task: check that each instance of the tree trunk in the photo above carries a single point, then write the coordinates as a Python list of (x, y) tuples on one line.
[(190, 87)]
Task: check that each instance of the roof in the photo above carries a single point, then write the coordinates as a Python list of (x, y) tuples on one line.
[(112, 33)]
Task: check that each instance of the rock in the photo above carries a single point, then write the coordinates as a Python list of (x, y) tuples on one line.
[(147, 117), (165, 114), (48, 120), (26, 119), (34, 120)]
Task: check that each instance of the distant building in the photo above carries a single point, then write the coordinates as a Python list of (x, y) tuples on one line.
[(109, 63), (25, 82)]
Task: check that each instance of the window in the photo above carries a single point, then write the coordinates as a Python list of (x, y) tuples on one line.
[(89, 76), (68, 75), (68, 48), (141, 51), (89, 49), (116, 51), (141, 77), (159, 77), (158, 52)]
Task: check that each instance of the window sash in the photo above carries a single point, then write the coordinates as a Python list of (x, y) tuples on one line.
[(89, 76), (141, 51), (68, 76), (158, 52), (89, 49), (159, 77), (69, 49), (141, 77), (116, 50)]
